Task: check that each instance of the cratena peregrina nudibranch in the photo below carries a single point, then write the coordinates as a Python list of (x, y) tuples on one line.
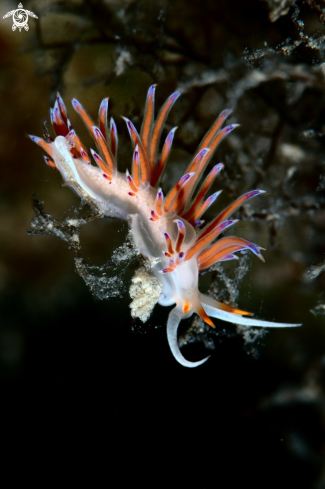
[(166, 228)]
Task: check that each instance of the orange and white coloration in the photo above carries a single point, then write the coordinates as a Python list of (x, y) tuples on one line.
[(166, 229)]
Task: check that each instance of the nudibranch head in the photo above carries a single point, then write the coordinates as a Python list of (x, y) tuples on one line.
[(167, 229)]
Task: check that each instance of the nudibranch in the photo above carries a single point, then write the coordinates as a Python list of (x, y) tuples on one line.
[(167, 229)]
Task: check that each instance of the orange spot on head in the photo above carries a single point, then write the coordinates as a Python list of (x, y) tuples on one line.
[(186, 307)]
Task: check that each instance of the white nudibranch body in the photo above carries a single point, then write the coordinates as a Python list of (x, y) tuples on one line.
[(166, 229)]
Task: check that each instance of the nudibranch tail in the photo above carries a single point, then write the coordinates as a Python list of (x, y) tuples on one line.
[(174, 318), (165, 229)]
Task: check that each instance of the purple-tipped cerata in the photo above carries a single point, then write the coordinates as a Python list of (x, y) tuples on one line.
[(167, 230)]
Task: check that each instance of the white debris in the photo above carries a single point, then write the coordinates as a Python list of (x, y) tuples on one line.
[(292, 152), (73, 222), (145, 290), (123, 61)]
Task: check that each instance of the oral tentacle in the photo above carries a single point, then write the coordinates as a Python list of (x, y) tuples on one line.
[(237, 319), (220, 305), (174, 318)]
